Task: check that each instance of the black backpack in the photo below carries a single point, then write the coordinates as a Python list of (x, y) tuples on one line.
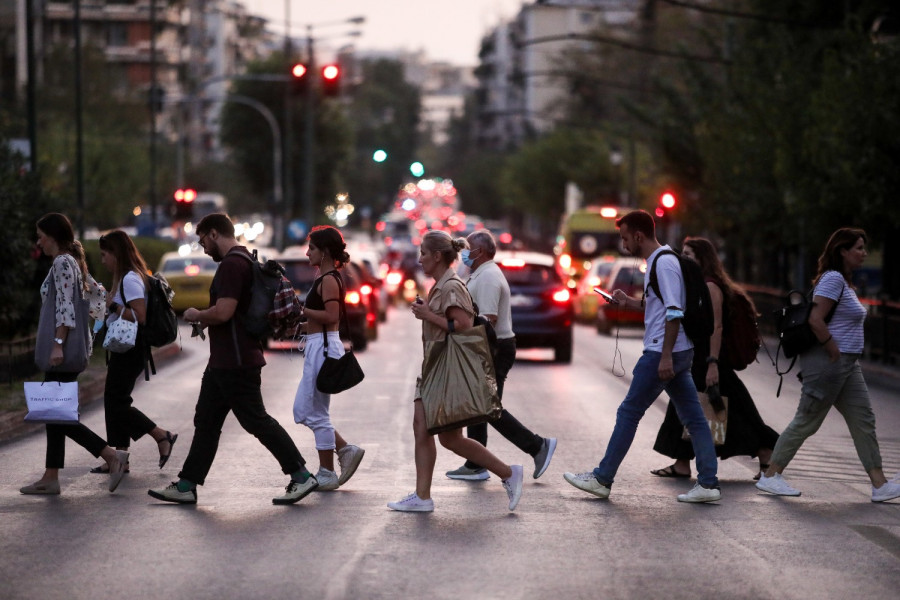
[(267, 281), (698, 321), (160, 326)]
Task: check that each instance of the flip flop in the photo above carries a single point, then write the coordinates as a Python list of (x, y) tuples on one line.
[(670, 472), (164, 458), (104, 469)]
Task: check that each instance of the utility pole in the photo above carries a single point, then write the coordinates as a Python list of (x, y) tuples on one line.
[(309, 133), (152, 103), (287, 210), (79, 126)]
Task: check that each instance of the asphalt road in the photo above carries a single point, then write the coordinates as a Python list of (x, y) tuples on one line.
[(87, 543)]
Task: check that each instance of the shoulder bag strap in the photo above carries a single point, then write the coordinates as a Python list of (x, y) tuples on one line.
[(342, 317)]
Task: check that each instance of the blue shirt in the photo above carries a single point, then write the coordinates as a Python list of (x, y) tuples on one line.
[(671, 286)]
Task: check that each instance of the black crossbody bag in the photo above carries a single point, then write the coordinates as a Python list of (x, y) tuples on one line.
[(339, 374)]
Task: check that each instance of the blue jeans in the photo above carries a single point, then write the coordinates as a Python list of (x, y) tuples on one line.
[(645, 389)]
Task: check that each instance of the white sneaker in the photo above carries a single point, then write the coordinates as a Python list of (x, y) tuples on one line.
[(412, 503), (586, 482), (701, 494), (349, 458), (466, 474), (513, 486), (328, 480), (888, 491), (776, 485)]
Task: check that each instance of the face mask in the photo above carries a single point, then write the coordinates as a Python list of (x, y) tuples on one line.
[(465, 256)]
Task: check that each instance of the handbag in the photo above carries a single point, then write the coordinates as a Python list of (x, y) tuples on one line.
[(79, 341), (121, 336), (717, 418), (459, 385), (339, 374), (51, 401)]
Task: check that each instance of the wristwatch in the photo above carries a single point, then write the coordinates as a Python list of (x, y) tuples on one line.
[(59, 341), (712, 359)]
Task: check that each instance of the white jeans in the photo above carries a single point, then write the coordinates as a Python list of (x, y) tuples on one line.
[(311, 405)]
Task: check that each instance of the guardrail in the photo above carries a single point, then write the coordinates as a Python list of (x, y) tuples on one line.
[(882, 328)]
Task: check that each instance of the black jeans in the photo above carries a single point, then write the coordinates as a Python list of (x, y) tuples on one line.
[(124, 421), (57, 433), (508, 426), (234, 390)]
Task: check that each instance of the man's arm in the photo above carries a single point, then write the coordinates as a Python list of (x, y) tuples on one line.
[(218, 313), (666, 369)]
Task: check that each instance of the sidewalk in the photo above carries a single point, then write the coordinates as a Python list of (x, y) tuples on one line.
[(91, 384)]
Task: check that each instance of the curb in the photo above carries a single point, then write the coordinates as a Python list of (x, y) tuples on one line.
[(13, 425)]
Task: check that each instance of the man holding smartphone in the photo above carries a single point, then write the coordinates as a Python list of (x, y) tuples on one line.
[(490, 291), (664, 365)]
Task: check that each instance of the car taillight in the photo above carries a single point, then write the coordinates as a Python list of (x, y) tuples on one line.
[(192, 270), (365, 289), (561, 296), (352, 298), (394, 278), (513, 263), (370, 318)]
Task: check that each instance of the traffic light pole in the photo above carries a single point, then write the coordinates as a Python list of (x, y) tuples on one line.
[(309, 133)]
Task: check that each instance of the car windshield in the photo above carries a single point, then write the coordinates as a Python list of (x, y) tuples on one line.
[(629, 277), (180, 263), (301, 274), (530, 275)]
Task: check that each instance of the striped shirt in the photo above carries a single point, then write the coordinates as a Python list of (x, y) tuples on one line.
[(846, 325)]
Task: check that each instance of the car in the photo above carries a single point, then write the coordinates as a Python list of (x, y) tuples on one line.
[(302, 274), (540, 302), (626, 274), (370, 267), (189, 275), (585, 300)]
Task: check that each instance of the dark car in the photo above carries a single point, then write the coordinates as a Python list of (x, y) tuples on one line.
[(540, 303), (302, 275)]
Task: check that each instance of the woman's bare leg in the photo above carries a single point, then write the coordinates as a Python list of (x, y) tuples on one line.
[(426, 453)]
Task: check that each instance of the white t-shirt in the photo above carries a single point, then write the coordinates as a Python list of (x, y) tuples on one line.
[(133, 285), (846, 325), (671, 286), (490, 291)]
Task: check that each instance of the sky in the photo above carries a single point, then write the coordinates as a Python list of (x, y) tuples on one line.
[(447, 30)]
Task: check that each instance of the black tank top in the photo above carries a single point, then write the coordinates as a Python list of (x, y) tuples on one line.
[(313, 298)]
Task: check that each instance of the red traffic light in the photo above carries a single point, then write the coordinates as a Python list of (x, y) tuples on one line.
[(298, 70), (668, 200), (185, 195), (331, 72)]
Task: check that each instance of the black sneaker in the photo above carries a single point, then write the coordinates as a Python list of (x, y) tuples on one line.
[(296, 491), (173, 494)]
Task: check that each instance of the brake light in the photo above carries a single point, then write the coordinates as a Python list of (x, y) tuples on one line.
[(565, 261), (561, 296), (366, 289), (513, 263), (394, 278), (370, 318), (352, 298), (192, 270)]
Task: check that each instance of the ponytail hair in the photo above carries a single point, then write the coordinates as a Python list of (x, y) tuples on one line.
[(59, 227), (328, 238)]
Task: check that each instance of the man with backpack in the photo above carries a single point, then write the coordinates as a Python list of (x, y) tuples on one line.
[(664, 365), (490, 291), (231, 382)]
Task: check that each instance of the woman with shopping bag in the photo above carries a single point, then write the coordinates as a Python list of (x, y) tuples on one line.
[(63, 346), (448, 309), (127, 306)]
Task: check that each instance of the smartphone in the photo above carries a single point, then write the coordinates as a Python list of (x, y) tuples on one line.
[(606, 296)]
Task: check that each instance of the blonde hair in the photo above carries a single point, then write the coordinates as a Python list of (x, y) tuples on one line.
[(440, 241)]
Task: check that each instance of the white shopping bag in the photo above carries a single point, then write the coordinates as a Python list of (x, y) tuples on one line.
[(52, 401)]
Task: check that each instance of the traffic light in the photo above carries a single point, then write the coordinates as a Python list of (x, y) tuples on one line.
[(298, 78), (379, 156), (417, 169), (668, 200), (184, 203), (331, 81)]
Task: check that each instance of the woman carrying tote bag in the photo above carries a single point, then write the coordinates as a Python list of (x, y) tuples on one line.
[(124, 422), (62, 329), (448, 308), (322, 311)]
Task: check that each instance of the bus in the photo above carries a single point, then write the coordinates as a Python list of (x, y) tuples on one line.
[(584, 235)]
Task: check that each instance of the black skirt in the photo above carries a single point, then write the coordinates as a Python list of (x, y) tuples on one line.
[(745, 432)]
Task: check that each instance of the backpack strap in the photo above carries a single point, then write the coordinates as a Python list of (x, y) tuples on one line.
[(654, 281)]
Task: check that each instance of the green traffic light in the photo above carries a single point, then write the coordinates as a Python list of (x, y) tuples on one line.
[(379, 156), (417, 169)]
